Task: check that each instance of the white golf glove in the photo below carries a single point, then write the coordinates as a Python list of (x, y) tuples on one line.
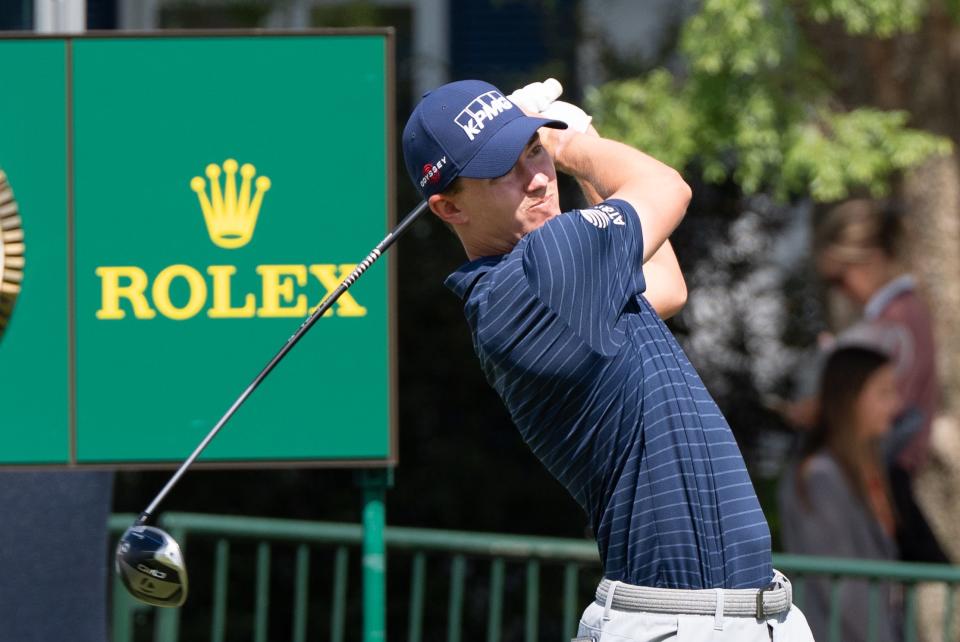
[(575, 118), (537, 96), (541, 98)]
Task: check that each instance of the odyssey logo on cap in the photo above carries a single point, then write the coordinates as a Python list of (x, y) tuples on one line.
[(431, 172), (484, 107)]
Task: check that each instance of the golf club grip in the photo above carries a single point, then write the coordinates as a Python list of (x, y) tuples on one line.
[(325, 305)]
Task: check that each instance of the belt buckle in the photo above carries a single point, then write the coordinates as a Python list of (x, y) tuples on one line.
[(761, 615)]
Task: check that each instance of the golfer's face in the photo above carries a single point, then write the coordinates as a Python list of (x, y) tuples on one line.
[(521, 200)]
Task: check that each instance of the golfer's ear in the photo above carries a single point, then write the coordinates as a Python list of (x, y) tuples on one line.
[(446, 209)]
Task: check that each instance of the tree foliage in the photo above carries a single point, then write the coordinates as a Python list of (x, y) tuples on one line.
[(883, 18), (752, 101)]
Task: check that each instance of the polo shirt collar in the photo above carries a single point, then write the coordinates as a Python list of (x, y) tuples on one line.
[(882, 297), (466, 276)]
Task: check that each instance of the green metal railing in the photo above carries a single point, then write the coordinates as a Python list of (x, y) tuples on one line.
[(909, 575), (489, 578)]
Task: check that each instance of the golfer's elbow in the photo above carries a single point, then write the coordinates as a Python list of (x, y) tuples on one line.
[(674, 299), (668, 294), (666, 196), (679, 195), (676, 293), (666, 289)]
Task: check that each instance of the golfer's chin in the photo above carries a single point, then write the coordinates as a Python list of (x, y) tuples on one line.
[(542, 211)]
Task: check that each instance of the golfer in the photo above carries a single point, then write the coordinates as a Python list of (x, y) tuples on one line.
[(565, 313)]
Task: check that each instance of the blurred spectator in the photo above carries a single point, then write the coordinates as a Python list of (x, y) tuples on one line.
[(836, 501), (856, 246)]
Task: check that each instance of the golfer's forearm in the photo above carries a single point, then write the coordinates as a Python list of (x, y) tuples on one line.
[(666, 289), (610, 166), (590, 192), (657, 191)]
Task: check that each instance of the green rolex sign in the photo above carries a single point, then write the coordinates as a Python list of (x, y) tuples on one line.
[(217, 189)]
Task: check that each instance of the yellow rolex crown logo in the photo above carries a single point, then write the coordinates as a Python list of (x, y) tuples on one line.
[(230, 215)]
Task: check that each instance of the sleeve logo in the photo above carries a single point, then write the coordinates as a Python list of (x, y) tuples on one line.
[(602, 216)]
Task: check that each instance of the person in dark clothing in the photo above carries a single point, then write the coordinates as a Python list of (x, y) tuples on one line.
[(565, 312)]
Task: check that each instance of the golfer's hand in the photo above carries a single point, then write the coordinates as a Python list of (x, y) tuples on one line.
[(537, 96), (575, 118), (540, 99), (578, 124)]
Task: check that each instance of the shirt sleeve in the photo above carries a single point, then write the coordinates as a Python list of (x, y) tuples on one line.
[(586, 266)]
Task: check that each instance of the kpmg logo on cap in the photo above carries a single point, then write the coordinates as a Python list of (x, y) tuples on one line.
[(481, 109)]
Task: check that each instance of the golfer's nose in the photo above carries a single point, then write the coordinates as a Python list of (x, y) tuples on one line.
[(536, 181)]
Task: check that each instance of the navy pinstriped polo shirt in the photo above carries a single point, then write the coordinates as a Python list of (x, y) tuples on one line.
[(605, 397)]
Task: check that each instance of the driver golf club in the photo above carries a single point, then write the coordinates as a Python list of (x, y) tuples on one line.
[(149, 560), (151, 566)]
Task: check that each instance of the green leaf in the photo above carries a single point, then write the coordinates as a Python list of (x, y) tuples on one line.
[(751, 105), (882, 18)]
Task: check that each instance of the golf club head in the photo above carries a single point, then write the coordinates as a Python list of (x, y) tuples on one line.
[(151, 566)]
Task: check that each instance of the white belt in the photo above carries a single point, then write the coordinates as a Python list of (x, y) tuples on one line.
[(759, 603)]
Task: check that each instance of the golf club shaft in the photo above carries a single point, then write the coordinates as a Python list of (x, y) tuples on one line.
[(292, 341)]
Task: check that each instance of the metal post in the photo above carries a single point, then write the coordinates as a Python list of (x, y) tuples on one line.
[(374, 484), (431, 45), (60, 16)]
